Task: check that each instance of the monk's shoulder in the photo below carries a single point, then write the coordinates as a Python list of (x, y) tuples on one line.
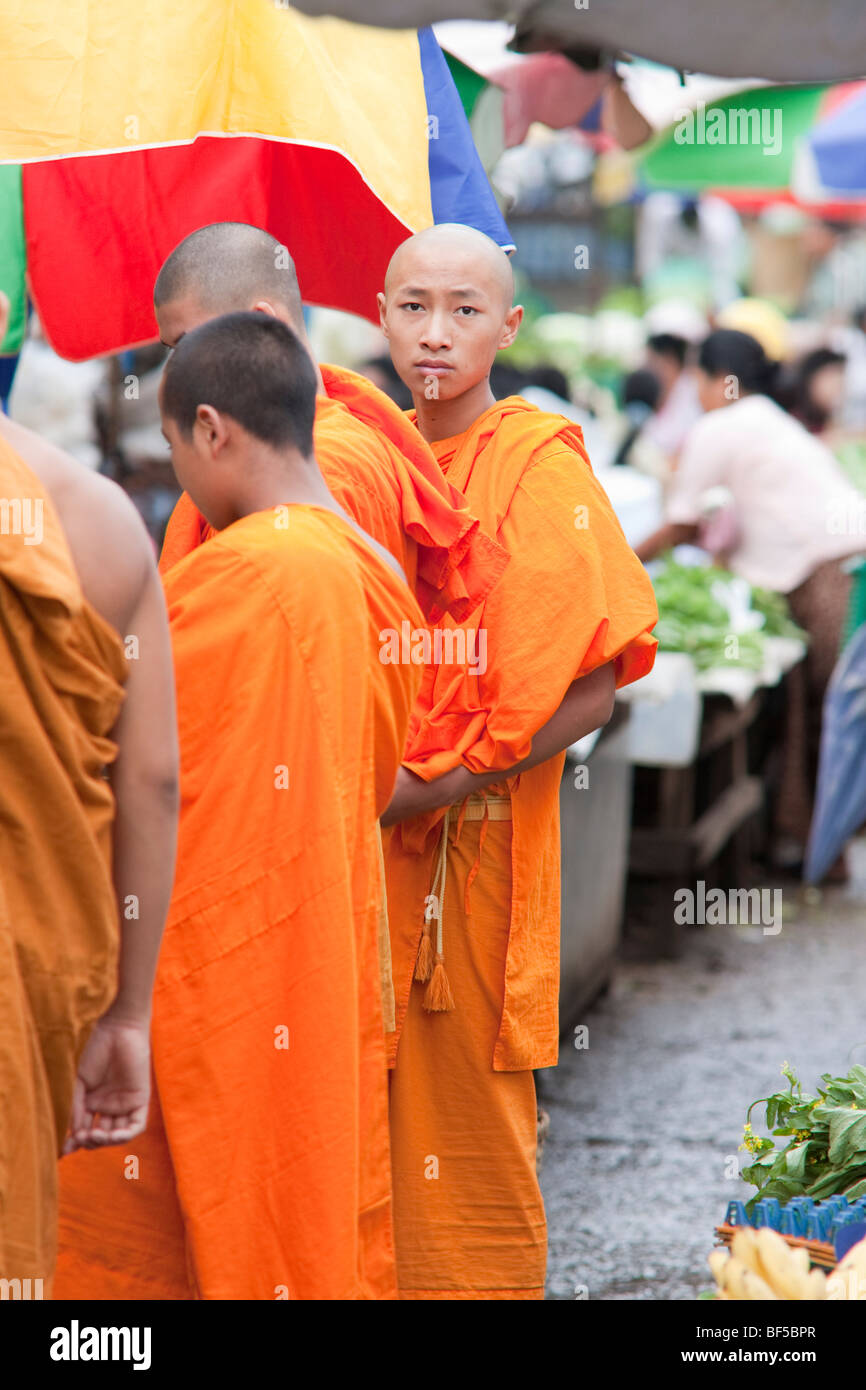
[(110, 548), (344, 442)]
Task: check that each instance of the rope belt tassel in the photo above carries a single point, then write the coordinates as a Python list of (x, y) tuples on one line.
[(438, 997), (429, 965)]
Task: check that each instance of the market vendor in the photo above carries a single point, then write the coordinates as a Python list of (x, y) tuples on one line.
[(791, 523)]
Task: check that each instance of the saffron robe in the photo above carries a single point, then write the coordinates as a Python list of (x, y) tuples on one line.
[(265, 1171), (573, 598), (382, 473), (62, 671)]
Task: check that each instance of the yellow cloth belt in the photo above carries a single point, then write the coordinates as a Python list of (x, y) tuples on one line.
[(496, 807)]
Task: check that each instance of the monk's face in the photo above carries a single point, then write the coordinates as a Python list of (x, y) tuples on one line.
[(446, 314), (179, 316)]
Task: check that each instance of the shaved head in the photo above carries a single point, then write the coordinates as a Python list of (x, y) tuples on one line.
[(446, 310), (466, 251), (228, 266)]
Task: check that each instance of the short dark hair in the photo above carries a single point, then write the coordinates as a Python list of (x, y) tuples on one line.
[(669, 345), (227, 266), (249, 366), (728, 352)]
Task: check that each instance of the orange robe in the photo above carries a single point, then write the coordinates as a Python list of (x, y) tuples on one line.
[(63, 670), (469, 1220), (382, 473), (264, 1172)]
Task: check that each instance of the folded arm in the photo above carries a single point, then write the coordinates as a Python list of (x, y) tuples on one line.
[(587, 705)]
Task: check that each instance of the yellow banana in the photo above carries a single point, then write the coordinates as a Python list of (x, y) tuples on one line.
[(757, 1289), (816, 1285), (783, 1274), (735, 1279), (745, 1247), (717, 1259)]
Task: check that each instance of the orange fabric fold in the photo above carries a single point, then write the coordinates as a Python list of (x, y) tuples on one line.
[(380, 470), (268, 1039), (573, 598), (63, 670)]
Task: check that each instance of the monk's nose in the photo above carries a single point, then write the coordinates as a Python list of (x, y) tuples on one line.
[(437, 332)]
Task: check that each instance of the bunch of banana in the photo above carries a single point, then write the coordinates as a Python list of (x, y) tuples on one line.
[(848, 1279), (763, 1266)]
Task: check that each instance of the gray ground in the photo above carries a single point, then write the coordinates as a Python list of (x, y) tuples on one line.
[(644, 1120)]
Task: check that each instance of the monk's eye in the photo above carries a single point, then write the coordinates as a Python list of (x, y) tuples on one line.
[(411, 306), (466, 310)]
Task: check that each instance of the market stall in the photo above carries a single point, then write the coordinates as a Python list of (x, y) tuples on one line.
[(703, 734)]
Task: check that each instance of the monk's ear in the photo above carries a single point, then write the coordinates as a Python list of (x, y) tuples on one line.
[(513, 320), (264, 306), (380, 300), (210, 427)]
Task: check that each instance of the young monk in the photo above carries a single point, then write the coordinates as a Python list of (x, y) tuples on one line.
[(89, 776), (375, 464), (266, 1171), (474, 890)]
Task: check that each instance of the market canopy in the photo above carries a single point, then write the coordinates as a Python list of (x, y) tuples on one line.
[(758, 147), (745, 140), (124, 128), (784, 40)]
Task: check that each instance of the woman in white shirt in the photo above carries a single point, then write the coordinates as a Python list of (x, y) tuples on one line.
[(793, 518)]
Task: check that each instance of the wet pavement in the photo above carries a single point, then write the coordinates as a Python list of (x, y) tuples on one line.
[(637, 1166)]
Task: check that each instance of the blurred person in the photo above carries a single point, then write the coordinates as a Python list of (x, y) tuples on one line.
[(641, 393), (90, 793), (818, 390), (380, 370), (794, 521), (678, 406), (687, 246)]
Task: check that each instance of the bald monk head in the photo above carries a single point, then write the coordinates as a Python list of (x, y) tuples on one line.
[(222, 269), (446, 311), (238, 400)]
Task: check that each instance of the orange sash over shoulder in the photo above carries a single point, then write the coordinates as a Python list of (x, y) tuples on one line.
[(380, 470)]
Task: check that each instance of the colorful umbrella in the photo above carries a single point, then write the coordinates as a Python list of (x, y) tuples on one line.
[(143, 123), (747, 147), (745, 140), (831, 161)]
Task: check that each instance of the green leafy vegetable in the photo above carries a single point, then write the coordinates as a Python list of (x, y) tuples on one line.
[(826, 1133)]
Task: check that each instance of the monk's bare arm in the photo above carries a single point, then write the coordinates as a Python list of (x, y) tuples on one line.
[(114, 1072), (587, 705), (144, 778)]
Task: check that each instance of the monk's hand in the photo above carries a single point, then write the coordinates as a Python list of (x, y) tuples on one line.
[(112, 1089), (4, 315), (411, 796)]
